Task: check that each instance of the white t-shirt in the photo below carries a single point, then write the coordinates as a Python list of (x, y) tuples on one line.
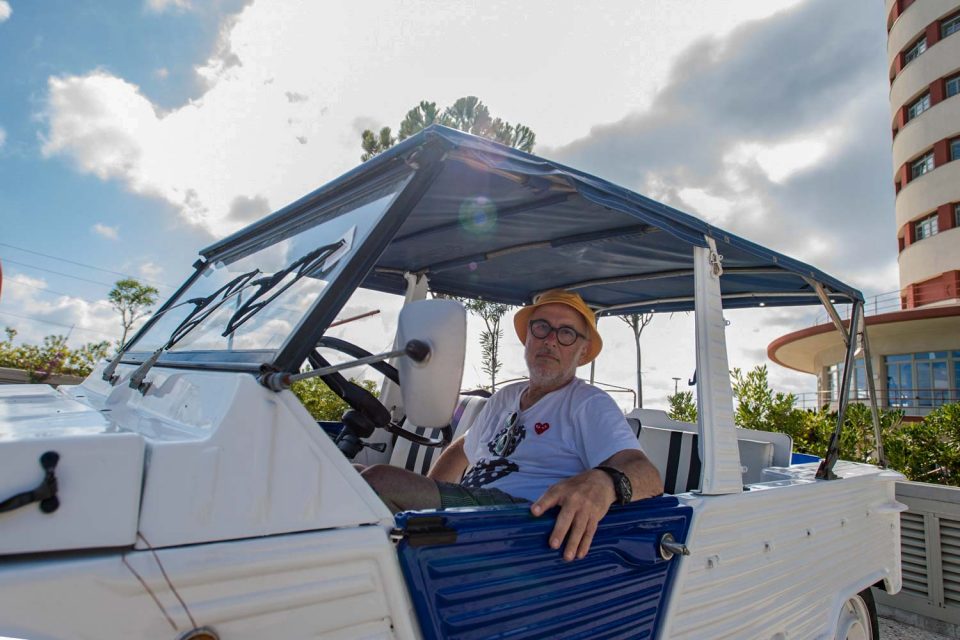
[(566, 432)]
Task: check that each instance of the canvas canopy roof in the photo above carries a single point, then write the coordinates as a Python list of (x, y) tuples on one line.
[(499, 224)]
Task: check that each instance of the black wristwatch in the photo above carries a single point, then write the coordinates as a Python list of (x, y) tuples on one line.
[(621, 484)]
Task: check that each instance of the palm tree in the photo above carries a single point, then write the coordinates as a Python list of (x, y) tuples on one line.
[(637, 322)]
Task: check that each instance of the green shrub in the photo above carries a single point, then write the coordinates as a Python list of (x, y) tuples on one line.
[(682, 407), (321, 402), (52, 357), (926, 451)]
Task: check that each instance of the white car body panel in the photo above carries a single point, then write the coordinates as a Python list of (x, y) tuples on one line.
[(341, 584), (779, 560)]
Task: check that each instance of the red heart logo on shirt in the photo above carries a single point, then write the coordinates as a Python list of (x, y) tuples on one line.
[(540, 427)]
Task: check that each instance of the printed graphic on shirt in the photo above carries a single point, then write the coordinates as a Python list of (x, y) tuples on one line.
[(507, 439), (502, 445), (488, 470)]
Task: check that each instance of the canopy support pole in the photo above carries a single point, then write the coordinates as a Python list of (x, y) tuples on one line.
[(825, 472), (872, 390), (718, 437)]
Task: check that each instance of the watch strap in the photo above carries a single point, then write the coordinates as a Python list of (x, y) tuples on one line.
[(621, 483)]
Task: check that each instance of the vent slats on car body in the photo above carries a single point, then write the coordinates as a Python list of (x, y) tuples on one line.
[(913, 549)]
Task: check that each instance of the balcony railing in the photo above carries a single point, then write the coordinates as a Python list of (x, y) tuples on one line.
[(888, 302), (913, 402)]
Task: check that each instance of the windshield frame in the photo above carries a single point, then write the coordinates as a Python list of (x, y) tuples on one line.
[(411, 183)]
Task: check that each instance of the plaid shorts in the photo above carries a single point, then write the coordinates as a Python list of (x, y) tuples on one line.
[(455, 495)]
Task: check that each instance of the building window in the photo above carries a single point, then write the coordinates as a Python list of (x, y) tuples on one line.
[(953, 86), (919, 106), (955, 149), (956, 215), (927, 379), (858, 386), (918, 47), (926, 227), (921, 166), (950, 26)]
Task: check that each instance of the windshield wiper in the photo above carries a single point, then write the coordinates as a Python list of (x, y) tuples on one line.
[(311, 264)]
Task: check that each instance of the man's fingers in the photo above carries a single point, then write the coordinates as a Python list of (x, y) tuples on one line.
[(548, 500), (586, 540), (561, 527), (577, 531)]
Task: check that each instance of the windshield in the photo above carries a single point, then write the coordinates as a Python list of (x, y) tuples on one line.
[(247, 302)]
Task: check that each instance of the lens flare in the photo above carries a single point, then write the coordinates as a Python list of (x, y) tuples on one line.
[(478, 215)]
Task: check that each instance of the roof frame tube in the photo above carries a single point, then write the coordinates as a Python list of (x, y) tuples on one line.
[(675, 273), (831, 310), (825, 471), (871, 389)]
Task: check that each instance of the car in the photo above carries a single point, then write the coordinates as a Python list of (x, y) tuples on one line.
[(183, 491)]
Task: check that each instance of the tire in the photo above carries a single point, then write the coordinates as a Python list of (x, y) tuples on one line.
[(858, 618)]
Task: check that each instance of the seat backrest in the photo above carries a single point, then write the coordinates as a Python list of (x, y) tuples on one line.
[(672, 446), (417, 458), (675, 455)]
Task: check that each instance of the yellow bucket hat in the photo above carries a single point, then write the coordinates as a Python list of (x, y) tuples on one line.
[(521, 321)]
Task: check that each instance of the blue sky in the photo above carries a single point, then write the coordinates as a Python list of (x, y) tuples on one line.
[(134, 133), (46, 205)]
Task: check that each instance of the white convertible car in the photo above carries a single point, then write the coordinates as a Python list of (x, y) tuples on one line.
[(182, 491)]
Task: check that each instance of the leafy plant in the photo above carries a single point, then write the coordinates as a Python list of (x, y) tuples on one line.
[(682, 407), (130, 299), (491, 313), (52, 357), (321, 402), (466, 114), (925, 451)]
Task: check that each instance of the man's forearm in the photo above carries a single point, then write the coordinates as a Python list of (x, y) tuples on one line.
[(451, 464), (644, 477)]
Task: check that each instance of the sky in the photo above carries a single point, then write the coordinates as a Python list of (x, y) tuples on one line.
[(133, 134)]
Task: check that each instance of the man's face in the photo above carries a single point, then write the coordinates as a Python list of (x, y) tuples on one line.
[(550, 363)]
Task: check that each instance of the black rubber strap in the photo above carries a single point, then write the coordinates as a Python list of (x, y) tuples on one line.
[(45, 493)]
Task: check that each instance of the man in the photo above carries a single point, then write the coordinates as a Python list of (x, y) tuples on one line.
[(552, 441)]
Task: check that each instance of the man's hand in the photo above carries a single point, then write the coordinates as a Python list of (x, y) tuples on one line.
[(583, 499)]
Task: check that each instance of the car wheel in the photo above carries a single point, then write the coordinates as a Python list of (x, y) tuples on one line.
[(858, 618)]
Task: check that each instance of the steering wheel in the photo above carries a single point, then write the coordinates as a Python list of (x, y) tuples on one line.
[(369, 411)]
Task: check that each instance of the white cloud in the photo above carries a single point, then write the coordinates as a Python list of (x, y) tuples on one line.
[(150, 271), (159, 6), (163, 73), (253, 131), (782, 160), (5, 10), (40, 313), (3, 137), (108, 232)]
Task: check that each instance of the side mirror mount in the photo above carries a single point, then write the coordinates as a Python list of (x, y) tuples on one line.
[(431, 386)]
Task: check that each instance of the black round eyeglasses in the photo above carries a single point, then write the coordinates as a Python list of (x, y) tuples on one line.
[(566, 336)]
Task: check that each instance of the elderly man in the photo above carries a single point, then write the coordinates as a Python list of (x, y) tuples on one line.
[(554, 440)]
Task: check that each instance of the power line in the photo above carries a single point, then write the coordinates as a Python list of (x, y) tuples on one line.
[(46, 290), (81, 264), (59, 324), (59, 273)]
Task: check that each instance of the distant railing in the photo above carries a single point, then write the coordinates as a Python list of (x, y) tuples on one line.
[(912, 402), (888, 302)]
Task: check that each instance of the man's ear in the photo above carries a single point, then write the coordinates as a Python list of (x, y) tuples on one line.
[(583, 354)]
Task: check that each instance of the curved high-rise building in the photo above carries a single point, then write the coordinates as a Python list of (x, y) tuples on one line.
[(915, 333), (923, 48)]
